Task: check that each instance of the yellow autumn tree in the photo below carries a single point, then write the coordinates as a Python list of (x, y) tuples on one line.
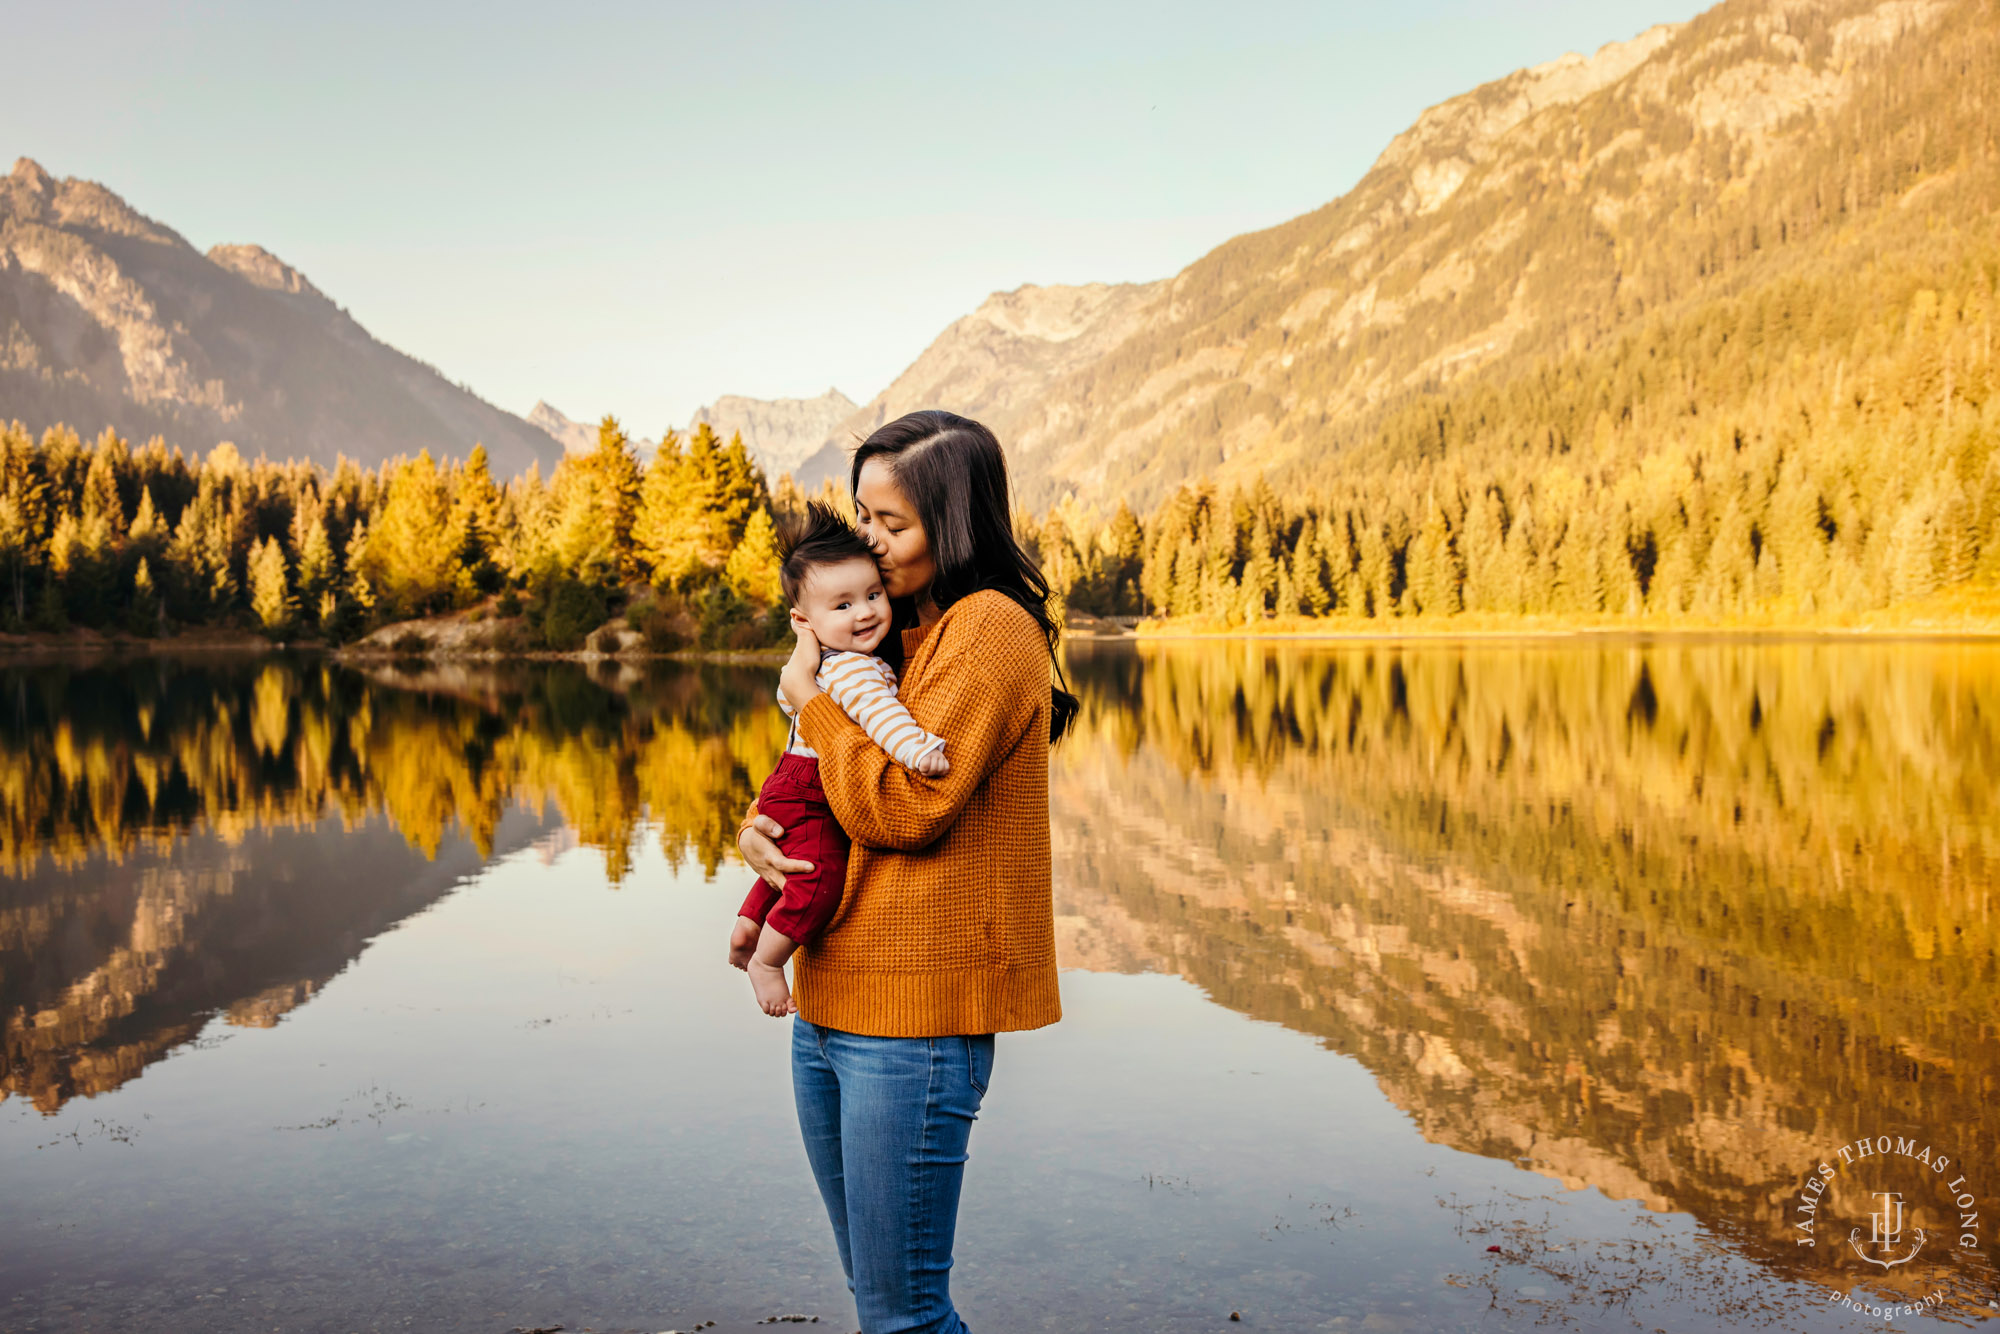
[(752, 569), (409, 559)]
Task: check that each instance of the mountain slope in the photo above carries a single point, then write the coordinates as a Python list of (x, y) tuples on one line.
[(996, 362), (780, 433), (108, 318), (1538, 216)]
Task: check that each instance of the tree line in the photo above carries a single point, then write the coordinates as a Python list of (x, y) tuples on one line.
[(145, 540), (1820, 446)]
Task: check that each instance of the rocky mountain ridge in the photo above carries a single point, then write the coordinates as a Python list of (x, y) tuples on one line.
[(995, 362), (780, 433), (109, 318), (574, 436), (1537, 216)]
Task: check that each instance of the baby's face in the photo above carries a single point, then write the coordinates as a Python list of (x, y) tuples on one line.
[(846, 605)]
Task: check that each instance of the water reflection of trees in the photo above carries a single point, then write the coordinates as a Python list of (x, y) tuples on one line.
[(1667, 920), (179, 839), (112, 757), (1670, 920)]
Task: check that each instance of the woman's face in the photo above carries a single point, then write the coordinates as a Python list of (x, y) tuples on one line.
[(888, 523)]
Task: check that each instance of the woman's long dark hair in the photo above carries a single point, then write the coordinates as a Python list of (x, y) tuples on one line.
[(953, 472)]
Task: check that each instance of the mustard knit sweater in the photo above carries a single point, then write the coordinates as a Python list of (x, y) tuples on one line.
[(946, 925)]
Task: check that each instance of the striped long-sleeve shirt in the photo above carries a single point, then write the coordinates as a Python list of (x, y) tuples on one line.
[(864, 687)]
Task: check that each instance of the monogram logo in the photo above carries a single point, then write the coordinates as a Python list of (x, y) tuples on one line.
[(1926, 1205), (1885, 1233)]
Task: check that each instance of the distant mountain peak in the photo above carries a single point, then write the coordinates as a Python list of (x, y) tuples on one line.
[(259, 266), (1448, 140), (991, 364), (780, 433), (114, 320), (1052, 314), (574, 436), (30, 174)]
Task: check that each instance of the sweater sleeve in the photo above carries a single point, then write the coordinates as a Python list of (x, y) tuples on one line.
[(983, 687), (865, 691)]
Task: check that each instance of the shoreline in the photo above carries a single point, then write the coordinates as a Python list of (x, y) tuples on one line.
[(1963, 612), (56, 646), (1469, 634), (374, 652)]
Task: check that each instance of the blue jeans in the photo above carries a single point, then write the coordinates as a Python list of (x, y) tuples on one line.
[(886, 1122)]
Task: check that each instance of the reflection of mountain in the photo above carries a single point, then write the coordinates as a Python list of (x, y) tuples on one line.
[(180, 841), (106, 968), (1664, 921), (1668, 920)]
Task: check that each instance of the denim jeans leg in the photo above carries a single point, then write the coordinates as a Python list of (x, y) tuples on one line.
[(816, 1091), (906, 1107)]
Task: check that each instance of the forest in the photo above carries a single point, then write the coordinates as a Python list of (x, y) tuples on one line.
[(145, 541), (1808, 450), (1758, 392)]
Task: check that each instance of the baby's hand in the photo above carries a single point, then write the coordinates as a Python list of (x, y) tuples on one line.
[(933, 764), (799, 677)]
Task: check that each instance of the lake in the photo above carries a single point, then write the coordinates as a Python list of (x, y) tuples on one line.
[(1406, 988)]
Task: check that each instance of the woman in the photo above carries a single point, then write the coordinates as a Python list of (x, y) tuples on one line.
[(945, 934)]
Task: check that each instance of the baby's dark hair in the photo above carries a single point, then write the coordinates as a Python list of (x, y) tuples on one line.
[(822, 537)]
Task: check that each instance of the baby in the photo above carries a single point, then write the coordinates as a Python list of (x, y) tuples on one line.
[(828, 574)]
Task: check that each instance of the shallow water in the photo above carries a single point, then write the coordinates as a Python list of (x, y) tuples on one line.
[(345, 1001)]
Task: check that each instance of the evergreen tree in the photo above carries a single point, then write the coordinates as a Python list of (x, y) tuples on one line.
[(1433, 571), (310, 539), (410, 561), (270, 591), (147, 613), (1912, 555), (475, 521), (360, 594), (23, 519), (752, 571), (1259, 582), (663, 531), (1125, 550)]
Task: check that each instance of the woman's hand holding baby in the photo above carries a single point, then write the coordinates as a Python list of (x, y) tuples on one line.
[(758, 842)]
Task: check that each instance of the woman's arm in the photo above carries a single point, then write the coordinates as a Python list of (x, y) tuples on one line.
[(983, 688)]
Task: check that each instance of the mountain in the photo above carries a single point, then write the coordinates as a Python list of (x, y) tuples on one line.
[(574, 436), (109, 318), (1547, 215), (780, 433), (997, 361)]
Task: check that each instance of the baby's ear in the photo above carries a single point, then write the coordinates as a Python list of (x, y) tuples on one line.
[(798, 617)]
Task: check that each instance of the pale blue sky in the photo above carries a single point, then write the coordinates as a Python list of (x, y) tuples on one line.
[(637, 208)]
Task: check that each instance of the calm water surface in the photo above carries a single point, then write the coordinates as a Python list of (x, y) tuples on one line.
[(1406, 989)]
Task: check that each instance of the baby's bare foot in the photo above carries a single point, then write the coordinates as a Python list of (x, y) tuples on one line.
[(742, 941), (772, 993)]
